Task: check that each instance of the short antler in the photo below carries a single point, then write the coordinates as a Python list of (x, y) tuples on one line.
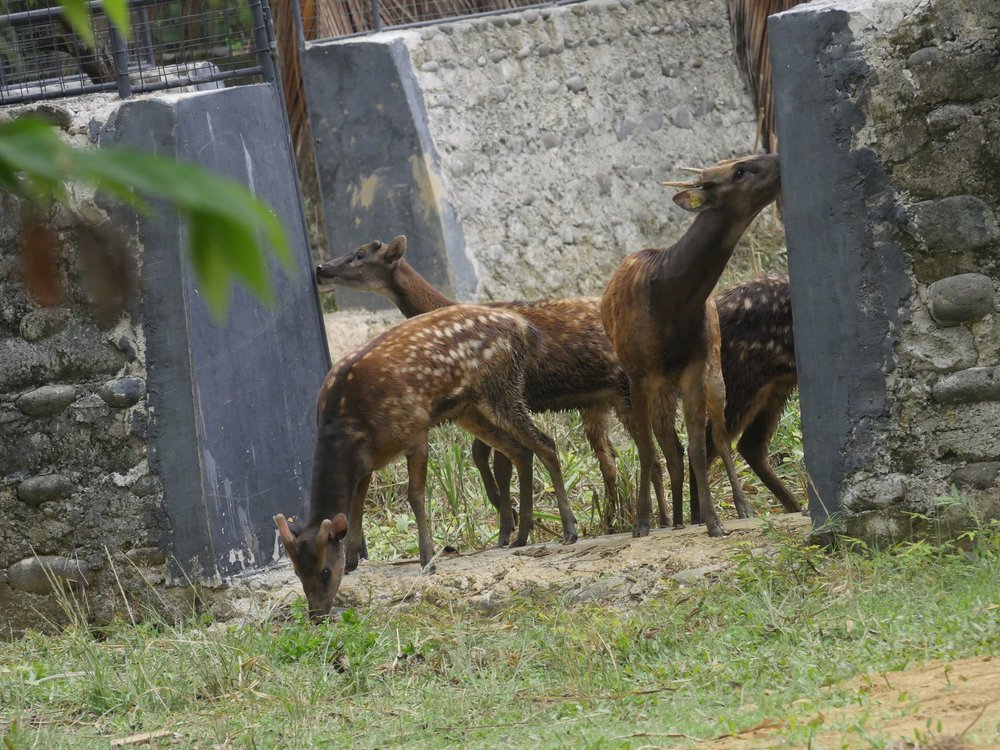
[(687, 183)]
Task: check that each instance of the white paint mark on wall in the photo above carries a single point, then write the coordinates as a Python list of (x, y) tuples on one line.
[(249, 162)]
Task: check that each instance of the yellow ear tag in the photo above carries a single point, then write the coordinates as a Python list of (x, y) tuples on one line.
[(694, 200)]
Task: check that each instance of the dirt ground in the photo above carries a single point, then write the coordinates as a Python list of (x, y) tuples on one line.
[(613, 569), (938, 706)]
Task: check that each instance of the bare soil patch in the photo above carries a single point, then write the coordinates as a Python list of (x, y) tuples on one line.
[(937, 706), (615, 569)]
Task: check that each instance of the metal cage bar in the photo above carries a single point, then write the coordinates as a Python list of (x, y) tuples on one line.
[(175, 43)]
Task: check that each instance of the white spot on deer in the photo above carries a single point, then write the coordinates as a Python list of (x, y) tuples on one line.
[(748, 303)]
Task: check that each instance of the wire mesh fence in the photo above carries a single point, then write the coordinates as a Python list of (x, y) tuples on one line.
[(331, 18), (173, 43)]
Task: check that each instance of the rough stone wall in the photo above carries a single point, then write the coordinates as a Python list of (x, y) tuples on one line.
[(546, 132), (74, 478), (901, 101), (556, 126), (138, 452)]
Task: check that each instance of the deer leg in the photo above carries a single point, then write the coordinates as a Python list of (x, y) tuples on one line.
[(416, 468), (526, 497), (503, 470), (356, 546), (720, 440), (595, 426), (644, 442), (505, 445), (656, 470), (753, 447), (514, 418), (693, 387), (718, 444), (481, 458), (743, 507), (673, 451)]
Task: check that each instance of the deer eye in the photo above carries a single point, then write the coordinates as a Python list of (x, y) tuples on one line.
[(739, 172), (359, 255)]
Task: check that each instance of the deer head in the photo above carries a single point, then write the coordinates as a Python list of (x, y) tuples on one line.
[(367, 268), (743, 186), (318, 558)]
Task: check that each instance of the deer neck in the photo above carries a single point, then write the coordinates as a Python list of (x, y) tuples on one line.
[(411, 292), (334, 475), (688, 272)]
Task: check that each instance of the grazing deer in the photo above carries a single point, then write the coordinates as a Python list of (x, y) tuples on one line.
[(576, 369), (758, 366), (664, 326), (463, 363)]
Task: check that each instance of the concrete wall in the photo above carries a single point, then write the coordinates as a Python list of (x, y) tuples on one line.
[(889, 124), (143, 445), (537, 139)]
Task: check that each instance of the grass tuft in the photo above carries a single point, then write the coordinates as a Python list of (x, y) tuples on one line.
[(770, 643)]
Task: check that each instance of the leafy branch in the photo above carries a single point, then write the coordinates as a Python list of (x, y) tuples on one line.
[(228, 227)]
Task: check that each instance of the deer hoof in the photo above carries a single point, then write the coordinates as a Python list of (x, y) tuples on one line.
[(717, 530), (518, 543), (429, 568), (641, 528), (570, 538), (677, 526)]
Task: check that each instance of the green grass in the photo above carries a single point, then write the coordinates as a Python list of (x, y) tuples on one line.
[(461, 517), (783, 626)]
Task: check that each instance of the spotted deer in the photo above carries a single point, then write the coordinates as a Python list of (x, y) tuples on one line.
[(758, 366), (658, 313), (463, 363), (576, 369)]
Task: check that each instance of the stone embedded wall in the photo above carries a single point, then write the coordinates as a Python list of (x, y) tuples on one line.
[(541, 137), (889, 124), (139, 453), (74, 475), (556, 126)]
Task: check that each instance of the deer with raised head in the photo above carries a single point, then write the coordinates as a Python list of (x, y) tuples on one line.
[(576, 369), (463, 363), (664, 326)]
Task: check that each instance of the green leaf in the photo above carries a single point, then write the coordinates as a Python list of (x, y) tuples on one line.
[(78, 15), (30, 146), (172, 180), (228, 227), (117, 11), (209, 266)]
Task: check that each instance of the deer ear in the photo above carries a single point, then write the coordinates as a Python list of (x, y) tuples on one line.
[(333, 529), (285, 533), (395, 249), (694, 199), (339, 530)]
